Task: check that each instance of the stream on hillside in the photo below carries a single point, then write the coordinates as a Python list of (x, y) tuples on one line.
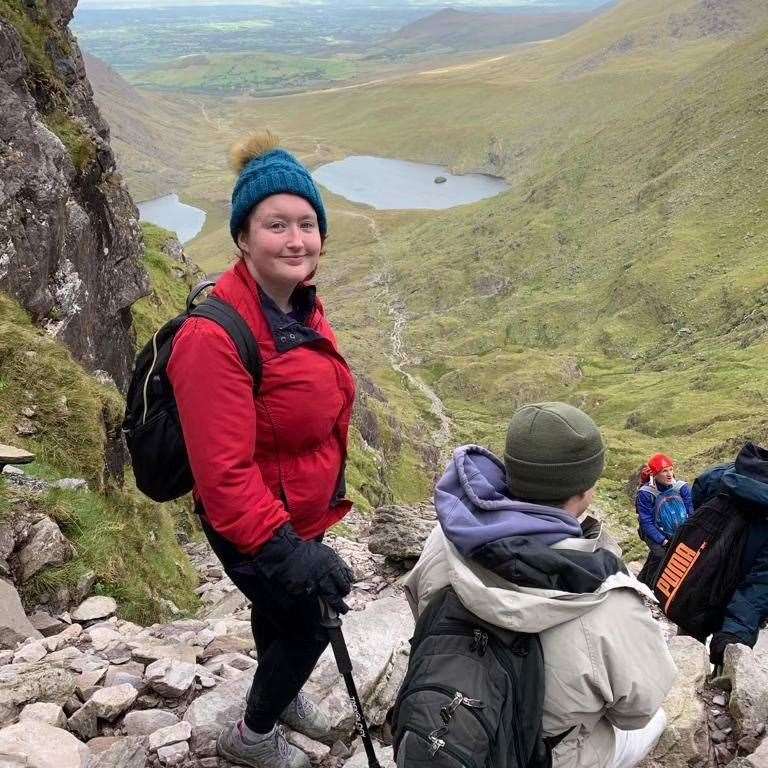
[(399, 361)]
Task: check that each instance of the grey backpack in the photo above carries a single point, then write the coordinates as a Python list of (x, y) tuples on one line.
[(472, 696)]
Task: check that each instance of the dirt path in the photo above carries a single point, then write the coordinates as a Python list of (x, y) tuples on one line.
[(374, 227), (460, 67)]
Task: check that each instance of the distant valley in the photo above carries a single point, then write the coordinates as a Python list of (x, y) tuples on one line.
[(263, 50), (624, 270)]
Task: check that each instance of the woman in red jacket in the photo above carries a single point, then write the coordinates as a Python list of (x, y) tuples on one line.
[(269, 467)]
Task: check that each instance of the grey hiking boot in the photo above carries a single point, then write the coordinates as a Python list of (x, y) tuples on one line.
[(304, 716), (271, 751)]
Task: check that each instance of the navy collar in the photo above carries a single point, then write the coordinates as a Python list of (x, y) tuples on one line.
[(291, 330)]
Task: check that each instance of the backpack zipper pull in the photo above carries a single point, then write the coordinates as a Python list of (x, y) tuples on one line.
[(447, 711), (435, 742)]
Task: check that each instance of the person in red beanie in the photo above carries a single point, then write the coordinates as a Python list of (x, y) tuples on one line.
[(663, 504)]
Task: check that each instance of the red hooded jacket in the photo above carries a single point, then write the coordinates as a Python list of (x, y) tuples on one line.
[(259, 462)]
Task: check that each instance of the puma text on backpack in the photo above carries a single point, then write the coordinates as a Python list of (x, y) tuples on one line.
[(151, 425), (703, 567), (472, 696)]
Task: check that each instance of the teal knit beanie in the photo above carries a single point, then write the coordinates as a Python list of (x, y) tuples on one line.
[(553, 451), (264, 170)]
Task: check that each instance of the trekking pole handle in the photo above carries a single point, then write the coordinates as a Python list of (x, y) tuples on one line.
[(329, 618)]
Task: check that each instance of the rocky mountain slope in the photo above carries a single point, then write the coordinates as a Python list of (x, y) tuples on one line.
[(110, 693), (70, 251)]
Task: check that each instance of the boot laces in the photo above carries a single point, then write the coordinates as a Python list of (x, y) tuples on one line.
[(281, 742), (304, 706)]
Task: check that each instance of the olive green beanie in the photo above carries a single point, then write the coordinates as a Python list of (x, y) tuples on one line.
[(553, 451)]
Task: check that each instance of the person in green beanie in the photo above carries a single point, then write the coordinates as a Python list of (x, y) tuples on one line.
[(520, 515)]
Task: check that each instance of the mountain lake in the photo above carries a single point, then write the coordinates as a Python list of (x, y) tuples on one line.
[(388, 184), (170, 213)]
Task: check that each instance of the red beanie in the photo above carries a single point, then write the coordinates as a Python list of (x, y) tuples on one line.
[(659, 462)]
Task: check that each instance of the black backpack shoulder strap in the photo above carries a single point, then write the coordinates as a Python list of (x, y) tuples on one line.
[(225, 315)]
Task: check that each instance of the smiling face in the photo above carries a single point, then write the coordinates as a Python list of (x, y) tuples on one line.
[(281, 243)]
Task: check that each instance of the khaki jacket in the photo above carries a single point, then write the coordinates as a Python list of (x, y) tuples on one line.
[(605, 661)]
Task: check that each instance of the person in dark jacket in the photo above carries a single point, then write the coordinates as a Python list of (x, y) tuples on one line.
[(663, 504), (746, 481), (269, 466)]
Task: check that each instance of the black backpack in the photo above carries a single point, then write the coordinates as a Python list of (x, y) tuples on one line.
[(472, 696), (151, 425), (703, 566)]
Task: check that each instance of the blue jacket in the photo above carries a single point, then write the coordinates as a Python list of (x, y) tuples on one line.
[(747, 482), (645, 504)]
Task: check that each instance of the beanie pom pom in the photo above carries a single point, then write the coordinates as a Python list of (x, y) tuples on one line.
[(252, 146)]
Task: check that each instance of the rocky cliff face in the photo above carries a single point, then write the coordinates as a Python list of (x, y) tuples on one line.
[(69, 234)]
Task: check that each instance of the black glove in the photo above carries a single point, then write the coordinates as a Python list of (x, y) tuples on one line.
[(306, 567), (717, 646)]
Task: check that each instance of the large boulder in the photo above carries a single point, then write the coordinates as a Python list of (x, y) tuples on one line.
[(377, 639), (42, 746), (96, 607), (123, 753), (758, 759), (22, 684), (747, 669), (399, 532), (45, 546), (143, 722), (225, 606), (686, 739), (43, 712), (14, 625), (211, 712), (170, 678)]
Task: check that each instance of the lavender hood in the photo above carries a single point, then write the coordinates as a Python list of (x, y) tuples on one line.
[(473, 507)]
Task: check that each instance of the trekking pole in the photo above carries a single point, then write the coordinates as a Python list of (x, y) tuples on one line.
[(332, 623)]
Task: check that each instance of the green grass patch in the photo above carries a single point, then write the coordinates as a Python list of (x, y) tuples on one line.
[(79, 144), (71, 411), (169, 290), (130, 543)]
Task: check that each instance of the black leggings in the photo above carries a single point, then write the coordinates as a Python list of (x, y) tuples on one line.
[(286, 629), (650, 569)]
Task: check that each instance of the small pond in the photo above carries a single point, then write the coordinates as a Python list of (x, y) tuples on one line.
[(388, 184), (170, 213)]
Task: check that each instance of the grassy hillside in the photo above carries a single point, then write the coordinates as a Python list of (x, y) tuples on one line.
[(128, 542), (455, 30), (624, 271), (140, 126)]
